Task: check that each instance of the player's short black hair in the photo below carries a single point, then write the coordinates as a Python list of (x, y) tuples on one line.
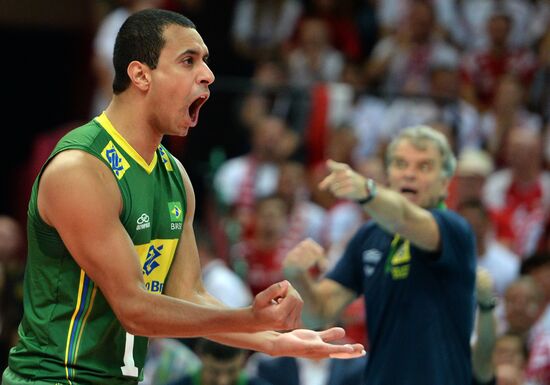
[(141, 38)]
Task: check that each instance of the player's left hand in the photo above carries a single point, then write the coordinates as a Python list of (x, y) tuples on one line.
[(315, 344)]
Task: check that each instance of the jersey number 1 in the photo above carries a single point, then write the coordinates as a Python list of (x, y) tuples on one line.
[(129, 369)]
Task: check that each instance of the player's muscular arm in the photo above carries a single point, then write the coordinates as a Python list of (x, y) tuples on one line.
[(78, 196)]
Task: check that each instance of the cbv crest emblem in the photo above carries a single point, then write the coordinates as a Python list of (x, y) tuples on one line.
[(118, 163)]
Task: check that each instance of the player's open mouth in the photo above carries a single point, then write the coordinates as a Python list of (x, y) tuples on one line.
[(195, 107), (407, 190)]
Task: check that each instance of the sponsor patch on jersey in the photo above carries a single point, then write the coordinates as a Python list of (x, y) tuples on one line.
[(143, 222), (156, 258), (176, 212), (165, 159), (118, 163)]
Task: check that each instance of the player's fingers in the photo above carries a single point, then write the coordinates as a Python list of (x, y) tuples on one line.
[(358, 351), (332, 334), (291, 307), (336, 166), (273, 292), (296, 317)]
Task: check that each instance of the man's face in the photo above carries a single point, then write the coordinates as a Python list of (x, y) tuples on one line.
[(417, 173), (542, 276), (217, 372), (271, 218), (521, 307), (469, 187), (266, 137), (179, 84), (498, 29), (477, 220), (508, 350)]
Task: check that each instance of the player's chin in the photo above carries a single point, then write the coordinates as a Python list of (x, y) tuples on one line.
[(182, 129), (413, 197)]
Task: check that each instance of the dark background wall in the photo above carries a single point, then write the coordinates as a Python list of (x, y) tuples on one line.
[(46, 81)]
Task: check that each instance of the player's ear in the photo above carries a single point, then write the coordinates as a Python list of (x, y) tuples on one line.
[(139, 74)]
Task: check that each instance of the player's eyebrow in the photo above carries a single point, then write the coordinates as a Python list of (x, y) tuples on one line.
[(194, 52)]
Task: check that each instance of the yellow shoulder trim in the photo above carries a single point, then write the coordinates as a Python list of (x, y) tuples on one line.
[(104, 121)]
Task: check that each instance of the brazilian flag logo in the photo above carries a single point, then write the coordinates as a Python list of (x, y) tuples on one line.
[(176, 213)]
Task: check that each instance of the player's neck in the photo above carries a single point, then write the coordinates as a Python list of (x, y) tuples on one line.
[(130, 121)]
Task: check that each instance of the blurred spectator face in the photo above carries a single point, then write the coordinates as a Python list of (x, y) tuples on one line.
[(509, 375), (509, 351), (541, 275), (291, 179), (221, 372), (477, 219), (523, 306), (421, 20), (314, 35), (342, 142), (498, 29), (269, 74), (271, 218), (473, 168), (469, 187), (509, 94), (352, 74), (524, 150), (417, 173), (10, 238), (324, 5), (444, 82), (266, 134)]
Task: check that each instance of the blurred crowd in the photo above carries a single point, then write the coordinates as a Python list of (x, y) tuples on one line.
[(303, 81)]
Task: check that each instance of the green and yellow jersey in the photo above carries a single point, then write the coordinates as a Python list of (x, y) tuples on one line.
[(69, 334)]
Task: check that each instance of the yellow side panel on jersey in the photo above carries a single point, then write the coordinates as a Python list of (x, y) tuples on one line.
[(118, 163), (156, 258)]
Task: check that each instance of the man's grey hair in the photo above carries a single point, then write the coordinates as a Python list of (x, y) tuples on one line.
[(419, 136)]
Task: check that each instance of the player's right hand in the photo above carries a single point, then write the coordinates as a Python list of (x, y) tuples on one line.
[(279, 307)]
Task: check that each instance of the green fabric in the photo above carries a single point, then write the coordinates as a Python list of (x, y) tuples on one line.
[(69, 334)]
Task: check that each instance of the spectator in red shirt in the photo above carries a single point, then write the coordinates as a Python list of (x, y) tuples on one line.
[(482, 70), (518, 196)]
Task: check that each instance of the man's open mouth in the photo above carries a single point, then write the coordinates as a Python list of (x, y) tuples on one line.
[(407, 190), (195, 107)]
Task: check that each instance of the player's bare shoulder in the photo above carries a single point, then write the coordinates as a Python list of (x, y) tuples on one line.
[(74, 161), (76, 176)]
